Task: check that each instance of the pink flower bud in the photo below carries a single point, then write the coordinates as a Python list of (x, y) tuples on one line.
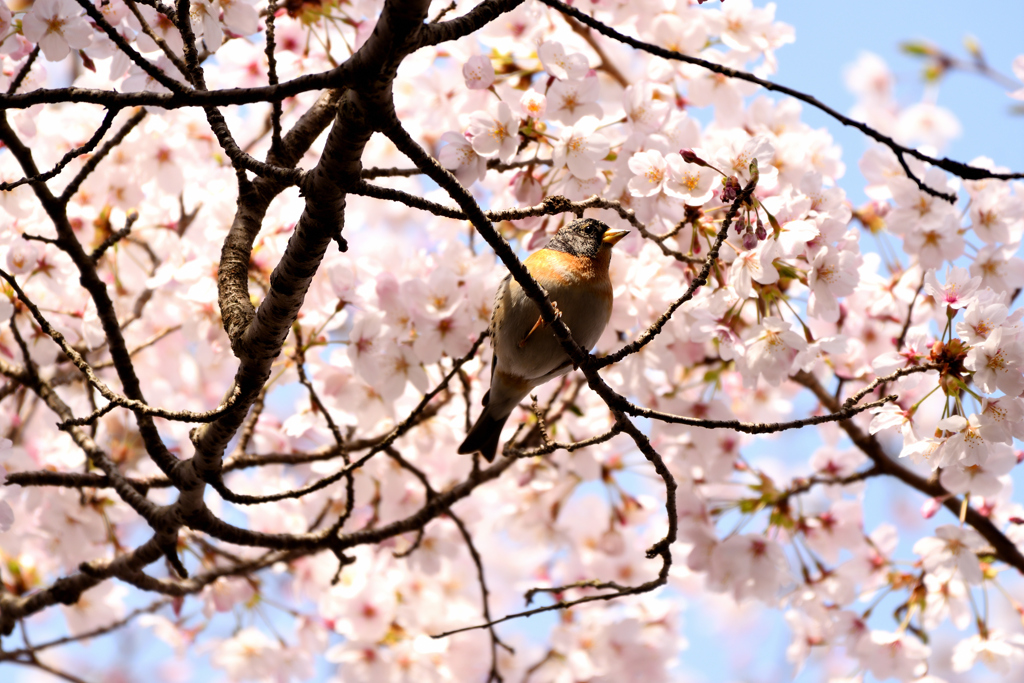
[(930, 507), (690, 157), (749, 240), (612, 543)]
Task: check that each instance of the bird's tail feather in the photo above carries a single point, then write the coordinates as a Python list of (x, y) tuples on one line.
[(484, 436)]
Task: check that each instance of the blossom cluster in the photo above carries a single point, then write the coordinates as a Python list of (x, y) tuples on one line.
[(808, 292)]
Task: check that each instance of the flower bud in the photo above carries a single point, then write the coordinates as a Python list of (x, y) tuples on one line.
[(749, 240), (930, 507), (690, 157)]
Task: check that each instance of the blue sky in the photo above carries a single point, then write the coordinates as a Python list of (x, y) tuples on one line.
[(830, 35)]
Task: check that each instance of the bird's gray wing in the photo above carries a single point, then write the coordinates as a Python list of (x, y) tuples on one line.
[(492, 329)]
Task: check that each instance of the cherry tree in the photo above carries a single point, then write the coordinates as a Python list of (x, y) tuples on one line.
[(248, 258)]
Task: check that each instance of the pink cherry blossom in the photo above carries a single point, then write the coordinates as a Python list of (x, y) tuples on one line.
[(998, 268), (287, 265), (997, 363), (980, 319), (981, 479), (958, 289), (571, 100), (935, 244), (651, 171), (998, 650), (754, 266), (692, 183), (647, 106), (951, 552), (533, 104), (240, 16), (462, 159), (496, 135), (58, 27), (832, 275), (478, 72), (965, 446), (772, 349), (580, 148), (560, 64)]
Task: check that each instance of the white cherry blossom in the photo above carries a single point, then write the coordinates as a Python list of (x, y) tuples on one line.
[(496, 135), (580, 148)]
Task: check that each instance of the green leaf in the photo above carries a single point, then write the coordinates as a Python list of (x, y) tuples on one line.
[(776, 228), (918, 49), (749, 505)]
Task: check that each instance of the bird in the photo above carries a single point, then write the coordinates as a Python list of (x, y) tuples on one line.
[(573, 268)]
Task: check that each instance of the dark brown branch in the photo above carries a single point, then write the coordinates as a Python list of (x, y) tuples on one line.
[(160, 42), (470, 22), (125, 47), (90, 165), (275, 111), (492, 164), (1004, 548), (90, 144), (651, 332), (478, 562), (23, 71), (115, 399), (400, 429), (607, 65), (115, 237)]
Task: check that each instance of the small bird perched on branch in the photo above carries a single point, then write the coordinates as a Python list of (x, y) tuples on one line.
[(573, 268)]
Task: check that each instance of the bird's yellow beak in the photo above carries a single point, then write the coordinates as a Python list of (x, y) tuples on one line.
[(613, 236)]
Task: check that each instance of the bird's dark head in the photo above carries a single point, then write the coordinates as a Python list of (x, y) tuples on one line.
[(584, 237)]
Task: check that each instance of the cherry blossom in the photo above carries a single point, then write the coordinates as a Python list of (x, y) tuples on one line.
[(571, 100), (958, 289), (243, 329), (496, 135), (692, 183), (58, 27), (478, 72), (831, 277), (240, 16), (998, 650), (998, 363), (980, 319), (651, 171), (580, 148), (935, 243), (771, 350), (754, 266), (461, 158), (981, 479), (952, 553), (998, 268), (560, 64)]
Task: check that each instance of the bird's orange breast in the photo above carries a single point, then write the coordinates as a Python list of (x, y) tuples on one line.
[(559, 268)]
